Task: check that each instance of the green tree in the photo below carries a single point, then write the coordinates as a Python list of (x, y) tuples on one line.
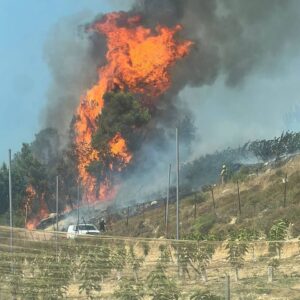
[(160, 286), (276, 235), (4, 202), (134, 261), (204, 295), (95, 266), (123, 114), (129, 289), (200, 255), (118, 258), (236, 253)]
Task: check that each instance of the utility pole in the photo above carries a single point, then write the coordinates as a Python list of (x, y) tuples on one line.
[(10, 207), (168, 199), (177, 185), (56, 203), (56, 217), (195, 206), (78, 201)]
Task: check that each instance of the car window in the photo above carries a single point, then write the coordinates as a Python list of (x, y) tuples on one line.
[(87, 227)]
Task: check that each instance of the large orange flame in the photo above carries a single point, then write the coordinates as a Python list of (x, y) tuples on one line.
[(138, 60), (43, 212)]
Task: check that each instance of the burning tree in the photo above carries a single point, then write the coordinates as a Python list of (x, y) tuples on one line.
[(139, 61), (117, 134)]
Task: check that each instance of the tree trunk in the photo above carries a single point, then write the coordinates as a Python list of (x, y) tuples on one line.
[(119, 275), (270, 274), (236, 274), (136, 276), (204, 275)]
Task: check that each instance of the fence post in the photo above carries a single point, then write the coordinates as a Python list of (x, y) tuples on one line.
[(270, 274), (227, 287), (127, 216)]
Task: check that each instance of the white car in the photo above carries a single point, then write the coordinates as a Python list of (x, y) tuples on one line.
[(82, 229)]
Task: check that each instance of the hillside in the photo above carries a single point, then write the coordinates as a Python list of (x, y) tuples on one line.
[(261, 195)]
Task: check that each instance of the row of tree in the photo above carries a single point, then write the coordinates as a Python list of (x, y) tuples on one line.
[(47, 272), (206, 169), (37, 164), (34, 169)]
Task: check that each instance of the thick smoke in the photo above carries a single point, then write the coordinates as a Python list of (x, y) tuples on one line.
[(234, 41), (73, 57), (231, 37)]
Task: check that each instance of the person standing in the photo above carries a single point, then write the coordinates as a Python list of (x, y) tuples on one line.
[(102, 225), (223, 174)]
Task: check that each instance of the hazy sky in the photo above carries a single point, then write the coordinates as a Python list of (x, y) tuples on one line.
[(24, 27), (263, 106)]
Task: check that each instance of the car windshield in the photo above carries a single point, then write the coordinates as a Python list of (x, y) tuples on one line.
[(86, 227)]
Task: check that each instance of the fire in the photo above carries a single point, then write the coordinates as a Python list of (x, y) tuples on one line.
[(43, 211), (119, 149), (138, 60)]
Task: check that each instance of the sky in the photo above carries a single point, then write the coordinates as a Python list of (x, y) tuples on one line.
[(24, 74), (263, 106)]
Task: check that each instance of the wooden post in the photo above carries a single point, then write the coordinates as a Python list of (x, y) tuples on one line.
[(26, 215), (239, 197), (127, 217), (143, 211), (213, 197), (285, 180), (177, 185), (270, 274), (195, 206), (227, 287)]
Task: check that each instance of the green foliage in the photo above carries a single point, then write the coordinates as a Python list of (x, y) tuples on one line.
[(206, 169), (146, 248), (194, 255), (122, 114), (244, 234), (160, 286), (16, 275), (276, 235), (134, 261), (288, 142), (236, 252), (129, 289), (165, 254), (197, 198), (241, 174), (51, 269), (119, 257), (278, 230), (204, 223), (48, 275), (274, 262), (204, 295), (91, 262), (4, 202)]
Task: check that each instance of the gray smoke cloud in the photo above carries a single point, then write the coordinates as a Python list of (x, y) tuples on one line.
[(232, 37), (237, 81), (228, 83), (73, 57)]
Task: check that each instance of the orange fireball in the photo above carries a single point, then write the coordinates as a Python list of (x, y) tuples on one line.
[(138, 60)]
